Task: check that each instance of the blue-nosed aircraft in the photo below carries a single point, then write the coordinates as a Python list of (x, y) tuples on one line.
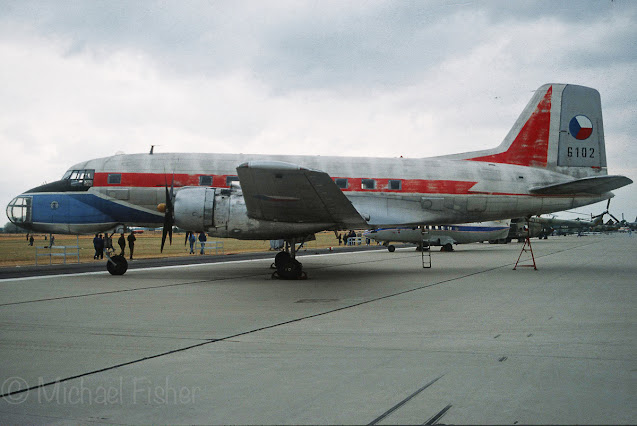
[(552, 159), (442, 235)]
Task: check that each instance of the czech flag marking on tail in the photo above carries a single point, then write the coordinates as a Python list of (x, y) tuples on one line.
[(580, 127)]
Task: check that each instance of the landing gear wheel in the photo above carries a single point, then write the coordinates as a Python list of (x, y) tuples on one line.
[(446, 247), (391, 248), (288, 268), (280, 258), (117, 265)]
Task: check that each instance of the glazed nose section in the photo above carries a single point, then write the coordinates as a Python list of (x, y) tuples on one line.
[(20, 211)]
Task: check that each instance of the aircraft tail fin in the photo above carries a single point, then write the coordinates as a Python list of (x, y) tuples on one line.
[(561, 129)]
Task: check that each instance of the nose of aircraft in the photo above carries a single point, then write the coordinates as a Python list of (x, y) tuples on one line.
[(20, 210)]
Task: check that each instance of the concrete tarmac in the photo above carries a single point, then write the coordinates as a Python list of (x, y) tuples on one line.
[(370, 338)]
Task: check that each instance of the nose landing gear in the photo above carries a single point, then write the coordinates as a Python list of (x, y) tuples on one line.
[(116, 265)]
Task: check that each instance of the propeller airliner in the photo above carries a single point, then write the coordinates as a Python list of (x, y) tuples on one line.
[(552, 159), (442, 235)]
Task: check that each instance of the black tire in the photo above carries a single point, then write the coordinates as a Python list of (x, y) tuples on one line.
[(291, 269), (117, 265), (280, 258), (391, 248)]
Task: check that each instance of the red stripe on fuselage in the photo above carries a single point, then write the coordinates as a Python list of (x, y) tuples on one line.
[(530, 147), (155, 180), (409, 186)]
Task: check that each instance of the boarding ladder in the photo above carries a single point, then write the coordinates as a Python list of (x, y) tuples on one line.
[(425, 253)]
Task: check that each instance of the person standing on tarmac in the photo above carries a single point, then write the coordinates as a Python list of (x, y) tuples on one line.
[(202, 240), (96, 247), (121, 241), (192, 240), (100, 246), (131, 244)]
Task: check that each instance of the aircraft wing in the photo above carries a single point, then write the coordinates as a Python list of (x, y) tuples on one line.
[(588, 185), (284, 192)]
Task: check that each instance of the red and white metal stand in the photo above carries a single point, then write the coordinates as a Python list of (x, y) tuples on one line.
[(527, 241)]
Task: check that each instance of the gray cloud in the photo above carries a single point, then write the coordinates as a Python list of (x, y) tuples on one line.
[(309, 45)]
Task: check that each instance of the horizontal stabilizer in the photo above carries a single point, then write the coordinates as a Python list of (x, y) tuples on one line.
[(589, 185), (284, 192)]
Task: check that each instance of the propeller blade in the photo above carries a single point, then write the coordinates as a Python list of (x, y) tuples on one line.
[(167, 230)]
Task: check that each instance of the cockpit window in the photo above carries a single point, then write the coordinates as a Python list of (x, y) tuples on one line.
[(80, 177), (19, 210)]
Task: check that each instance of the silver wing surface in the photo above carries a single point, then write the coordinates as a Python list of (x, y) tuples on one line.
[(283, 192)]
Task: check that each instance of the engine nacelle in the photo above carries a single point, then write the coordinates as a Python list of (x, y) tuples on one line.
[(202, 209), (222, 212)]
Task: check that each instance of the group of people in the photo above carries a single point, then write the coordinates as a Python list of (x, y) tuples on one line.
[(104, 242), (101, 243), (192, 239), (345, 238), (31, 240)]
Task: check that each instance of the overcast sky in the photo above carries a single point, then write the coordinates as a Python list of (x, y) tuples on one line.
[(86, 79)]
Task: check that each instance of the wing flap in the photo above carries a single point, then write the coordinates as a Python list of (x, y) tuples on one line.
[(284, 192), (589, 185)]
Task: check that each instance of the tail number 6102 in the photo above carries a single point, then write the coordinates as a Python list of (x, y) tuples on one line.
[(580, 152)]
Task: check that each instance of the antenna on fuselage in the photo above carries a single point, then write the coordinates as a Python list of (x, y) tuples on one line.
[(152, 147)]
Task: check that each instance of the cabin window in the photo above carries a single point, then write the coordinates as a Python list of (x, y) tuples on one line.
[(341, 183), (230, 179), (395, 185), (114, 178), (205, 180), (368, 184)]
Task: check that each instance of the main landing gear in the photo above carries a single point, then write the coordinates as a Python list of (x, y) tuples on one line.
[(287, 267)]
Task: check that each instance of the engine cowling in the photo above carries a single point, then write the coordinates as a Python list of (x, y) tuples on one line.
[(222, 212), (201, 208)]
